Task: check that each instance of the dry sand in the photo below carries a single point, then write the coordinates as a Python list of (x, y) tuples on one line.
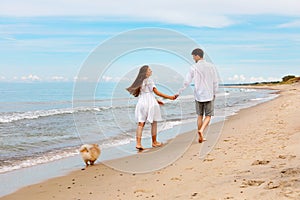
[(256, 157)]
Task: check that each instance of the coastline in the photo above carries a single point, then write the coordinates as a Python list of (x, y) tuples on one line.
[(256, 156)]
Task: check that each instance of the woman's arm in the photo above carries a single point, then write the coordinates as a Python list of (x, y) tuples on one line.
[(158, 93)]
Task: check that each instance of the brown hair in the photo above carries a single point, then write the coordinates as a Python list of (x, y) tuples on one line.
[(198, 52), (135, 88)]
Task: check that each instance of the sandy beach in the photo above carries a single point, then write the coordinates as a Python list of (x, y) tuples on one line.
[(256, 157)]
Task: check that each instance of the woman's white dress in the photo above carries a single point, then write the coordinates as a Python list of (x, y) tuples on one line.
[(147, 108)]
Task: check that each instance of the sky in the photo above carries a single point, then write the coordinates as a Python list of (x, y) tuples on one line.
[(248, 41)]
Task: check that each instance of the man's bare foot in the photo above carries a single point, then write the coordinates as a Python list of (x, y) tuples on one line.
[(157, 144), (201, 138)]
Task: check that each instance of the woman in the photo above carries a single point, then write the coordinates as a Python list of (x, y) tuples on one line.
[(147, 108)]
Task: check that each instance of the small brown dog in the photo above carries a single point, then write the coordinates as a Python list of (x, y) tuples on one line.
[(90, 153)]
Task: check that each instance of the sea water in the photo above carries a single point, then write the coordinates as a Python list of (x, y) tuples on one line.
[(40, 123)]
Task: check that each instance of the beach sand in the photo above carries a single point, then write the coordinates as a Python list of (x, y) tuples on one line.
[(257, 157)]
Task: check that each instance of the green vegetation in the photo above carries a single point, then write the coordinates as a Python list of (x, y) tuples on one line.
[(289, 79)]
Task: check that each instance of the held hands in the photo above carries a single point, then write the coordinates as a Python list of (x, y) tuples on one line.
[(174, 97), (169, 97)]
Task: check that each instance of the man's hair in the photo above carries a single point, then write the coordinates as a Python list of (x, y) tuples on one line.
[(198, 52)]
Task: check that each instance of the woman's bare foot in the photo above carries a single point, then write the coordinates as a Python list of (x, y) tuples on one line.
[(140, 148), (157, 144)]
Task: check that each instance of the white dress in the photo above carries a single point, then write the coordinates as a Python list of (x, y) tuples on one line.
[(147, 108)]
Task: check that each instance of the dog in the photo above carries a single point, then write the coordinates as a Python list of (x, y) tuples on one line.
[(90, 153)]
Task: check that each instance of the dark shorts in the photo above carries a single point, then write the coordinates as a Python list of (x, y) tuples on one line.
[(205, 108)]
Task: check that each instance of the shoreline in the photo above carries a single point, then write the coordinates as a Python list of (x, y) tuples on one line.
[(184, 172), (61, 167)]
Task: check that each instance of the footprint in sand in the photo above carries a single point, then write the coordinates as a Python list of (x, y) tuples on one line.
[(176, 179), (141, 192), (286, 156), (290, 171), (260, 162), (208, 159), (282, 156), (247, 183), (189, 168), (291, 188), (273, 185)]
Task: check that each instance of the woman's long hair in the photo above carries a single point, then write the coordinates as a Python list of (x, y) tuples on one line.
[(135, 88)]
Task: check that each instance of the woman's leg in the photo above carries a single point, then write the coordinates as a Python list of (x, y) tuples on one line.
[(139, 131), (154, 135)]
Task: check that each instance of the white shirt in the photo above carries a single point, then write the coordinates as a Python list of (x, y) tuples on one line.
[(205, 79)]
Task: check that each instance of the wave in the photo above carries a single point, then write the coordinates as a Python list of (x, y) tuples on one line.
[(189, 97), (50, 156), (45, 158), (171, 124), (221, 94), (8, 117), (247, 90), (16, 116), (262, 99), (258, 99)]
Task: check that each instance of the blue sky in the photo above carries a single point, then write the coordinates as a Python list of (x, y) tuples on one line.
[(249, 41)]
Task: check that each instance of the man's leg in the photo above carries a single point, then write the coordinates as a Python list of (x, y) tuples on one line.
[(205, 124), (202, 127), (199, 121), (209, 111), (200, 112)]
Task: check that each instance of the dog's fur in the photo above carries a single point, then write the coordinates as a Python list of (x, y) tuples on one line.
[(90, 153)]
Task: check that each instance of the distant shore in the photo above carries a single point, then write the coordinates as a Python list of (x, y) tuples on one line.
[(257, 157)]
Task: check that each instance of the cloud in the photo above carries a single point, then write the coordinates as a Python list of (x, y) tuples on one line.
[(7, 37), (110, 79), (81, 79), (243, 79), (102, 79), (237, 78), (64, 44), (31, 78), (2, 78), (58, 78), (292, 24), (262, 79), (213, 13)]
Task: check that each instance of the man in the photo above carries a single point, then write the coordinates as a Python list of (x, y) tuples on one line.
[(205, 79)]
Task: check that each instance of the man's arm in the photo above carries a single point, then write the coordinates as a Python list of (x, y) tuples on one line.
[(215, 81), (187, 81)]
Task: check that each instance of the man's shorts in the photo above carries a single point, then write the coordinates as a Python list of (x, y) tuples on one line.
[(205, 108)]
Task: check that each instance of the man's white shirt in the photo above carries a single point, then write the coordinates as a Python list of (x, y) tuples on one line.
[(205, 79)]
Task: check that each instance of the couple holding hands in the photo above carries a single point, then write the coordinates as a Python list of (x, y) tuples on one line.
[(205, 79)]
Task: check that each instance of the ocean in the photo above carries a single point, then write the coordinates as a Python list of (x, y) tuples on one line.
[(40, 123)]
